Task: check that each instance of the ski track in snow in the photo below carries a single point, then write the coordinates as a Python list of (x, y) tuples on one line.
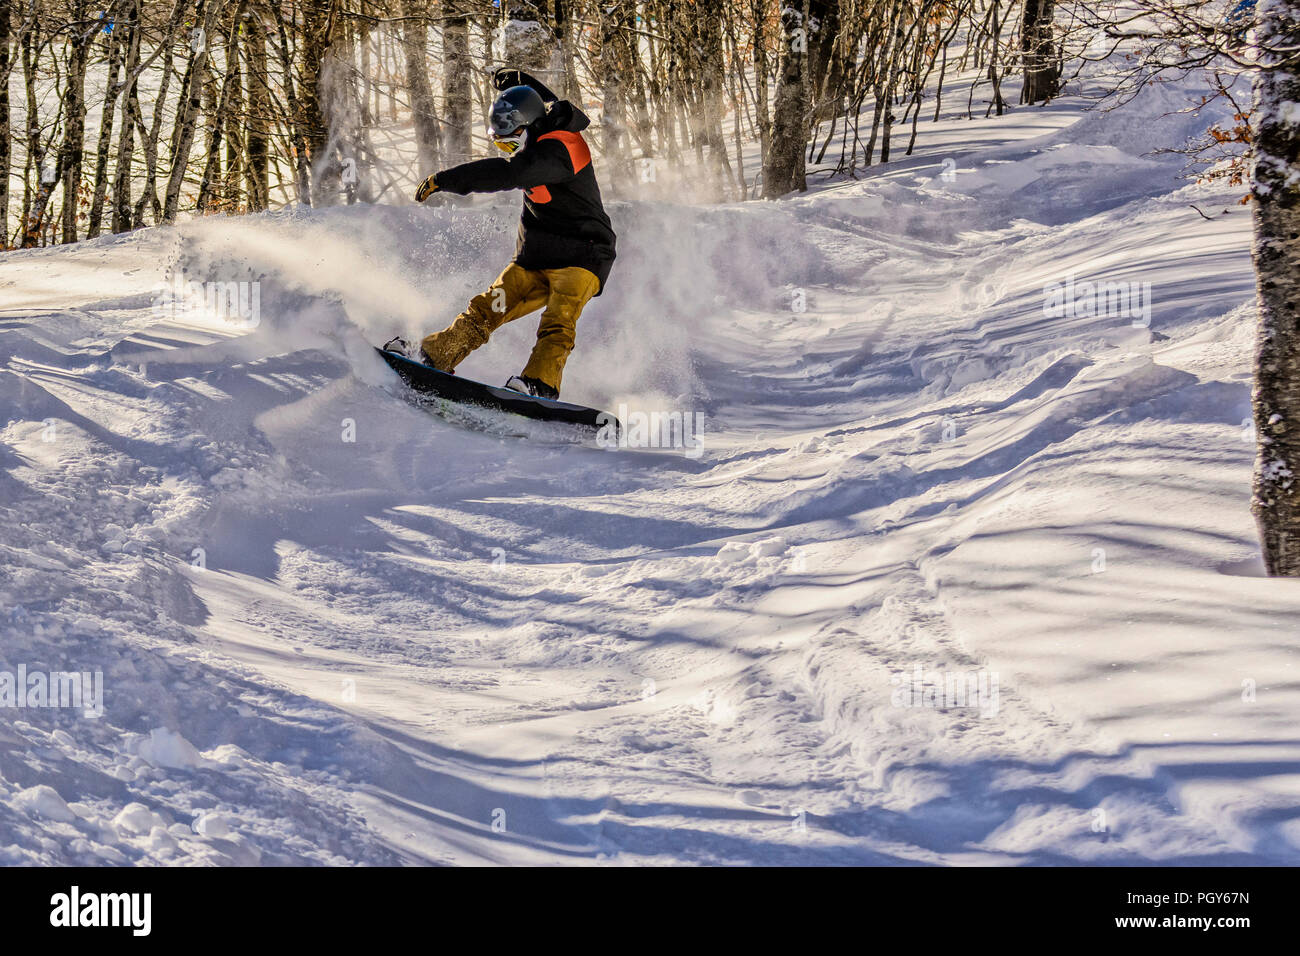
[(434, 645)]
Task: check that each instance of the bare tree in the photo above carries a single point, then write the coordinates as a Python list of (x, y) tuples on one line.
[(758, 10), (259, 115), (6, 135), (1038, 52), (40, 176), (456, 72), (72, 152), (1171, 37), (1276, 193), (218, 117), (320, 21), (297, 118), (784, 170), (414, 42), (112, 90), (207, 14)]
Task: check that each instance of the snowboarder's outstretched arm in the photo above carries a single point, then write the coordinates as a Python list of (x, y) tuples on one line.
[(543, 163)]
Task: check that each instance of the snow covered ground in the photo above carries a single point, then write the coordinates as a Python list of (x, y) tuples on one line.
[(335, 629)]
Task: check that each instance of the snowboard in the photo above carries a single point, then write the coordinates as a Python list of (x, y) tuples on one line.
[(433, 385)]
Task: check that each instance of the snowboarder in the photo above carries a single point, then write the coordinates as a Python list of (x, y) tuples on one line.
[(565, 245)]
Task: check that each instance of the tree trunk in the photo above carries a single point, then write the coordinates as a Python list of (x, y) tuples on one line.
[(414, 38), (297, 134), (319, 20), (886, 92), (35, 200), (187, 113), (1038, 52), (342, 100), (149, 138), (72, 153), (994, 73), (457, 103), (564, 65), (130, 24), (825, 69), (611, 66), (112, 89), (1276, 192), (709, 62), (6, 137), (218, 119), (785, 169), (257, 131), (761, 120), (236, 116), (883, 82)]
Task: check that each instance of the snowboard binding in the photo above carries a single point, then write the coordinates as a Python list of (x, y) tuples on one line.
[(531, 386)]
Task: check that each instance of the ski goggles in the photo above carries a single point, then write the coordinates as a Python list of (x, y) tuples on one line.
[(510, 142)]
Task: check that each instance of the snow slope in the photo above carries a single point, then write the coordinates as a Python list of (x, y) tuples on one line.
[(433, 645)]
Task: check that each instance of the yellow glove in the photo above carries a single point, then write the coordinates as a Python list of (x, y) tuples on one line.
[(427, 188)]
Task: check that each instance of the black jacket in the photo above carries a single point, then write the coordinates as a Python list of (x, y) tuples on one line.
[(563, 223)]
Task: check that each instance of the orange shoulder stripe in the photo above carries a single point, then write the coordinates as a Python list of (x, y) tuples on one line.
[(579, 154)]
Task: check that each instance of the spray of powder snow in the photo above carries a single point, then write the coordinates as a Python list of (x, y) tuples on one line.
[(345, 278)]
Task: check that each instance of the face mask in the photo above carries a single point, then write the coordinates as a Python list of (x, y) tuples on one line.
[(511, 144)]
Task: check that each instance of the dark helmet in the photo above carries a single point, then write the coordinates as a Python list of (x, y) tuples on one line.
[(516, 107)]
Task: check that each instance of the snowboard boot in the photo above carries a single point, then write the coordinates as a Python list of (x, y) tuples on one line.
[(531, 386), (400, 346)]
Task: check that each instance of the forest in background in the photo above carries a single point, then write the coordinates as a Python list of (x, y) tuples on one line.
[(125, 113)]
